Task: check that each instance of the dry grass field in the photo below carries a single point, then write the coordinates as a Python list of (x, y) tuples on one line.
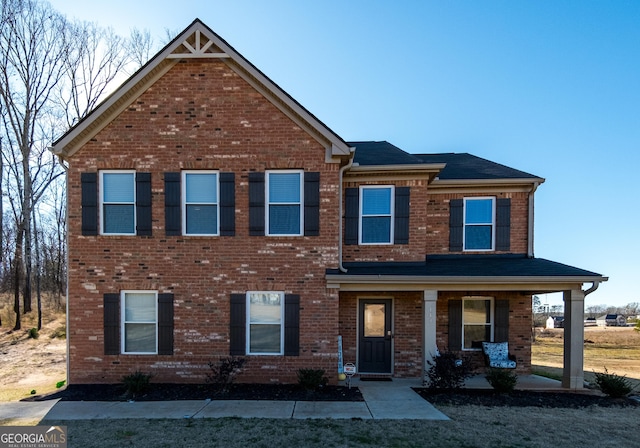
[(615, 348)]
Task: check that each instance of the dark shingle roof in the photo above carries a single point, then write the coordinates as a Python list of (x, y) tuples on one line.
[(515, 265), (459, 166), (468, 166), (382, 153)]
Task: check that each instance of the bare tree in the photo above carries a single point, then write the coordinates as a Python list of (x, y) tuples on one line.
[(33, 41), (97, 58)]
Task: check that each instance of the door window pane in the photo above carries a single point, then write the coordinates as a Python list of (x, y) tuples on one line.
[(374, 320)]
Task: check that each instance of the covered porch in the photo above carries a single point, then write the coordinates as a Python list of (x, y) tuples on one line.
[(438, 277)]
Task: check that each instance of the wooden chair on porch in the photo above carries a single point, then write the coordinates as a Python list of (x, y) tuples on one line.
[(496, 354)]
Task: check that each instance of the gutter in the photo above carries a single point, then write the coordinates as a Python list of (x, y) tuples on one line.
[(341, 226)]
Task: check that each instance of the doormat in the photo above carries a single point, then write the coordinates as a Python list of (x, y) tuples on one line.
[(373, 378)]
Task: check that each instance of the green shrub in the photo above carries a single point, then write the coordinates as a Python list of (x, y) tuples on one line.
[(312, 379), (224, 372), (503, 381), (613, 385), (59, 384), (59, 333), (136, 383), (447, 371), (33, 333)]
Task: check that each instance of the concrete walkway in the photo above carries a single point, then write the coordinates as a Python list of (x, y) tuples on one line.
[(382, 400)]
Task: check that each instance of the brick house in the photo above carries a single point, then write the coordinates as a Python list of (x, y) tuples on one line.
[(210, 214)]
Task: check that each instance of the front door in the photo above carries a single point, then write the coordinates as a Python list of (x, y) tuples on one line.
[(374, 336)]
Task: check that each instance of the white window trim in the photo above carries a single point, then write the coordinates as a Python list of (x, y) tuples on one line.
[(391, 214), (491, 318), (268, 202), (183, 201), (249, 323), (123, 321), (101, 196), (493, 224)]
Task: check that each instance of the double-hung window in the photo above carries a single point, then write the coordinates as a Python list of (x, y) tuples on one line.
[(477, 321), (479, 220), (201, 213), (265, 320), (118, 200), (284, 203), (139, 322), (376, 214)]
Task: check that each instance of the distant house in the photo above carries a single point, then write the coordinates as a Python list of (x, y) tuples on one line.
[(611, 320), (212, 215)]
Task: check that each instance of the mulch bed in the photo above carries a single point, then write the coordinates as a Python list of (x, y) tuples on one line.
[(521, 398), (169, 392)]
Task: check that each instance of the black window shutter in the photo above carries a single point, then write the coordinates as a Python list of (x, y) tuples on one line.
[(312, 204), (237, 325), (501, 327), (455, 324), (227, 204), (256, 204), (351, 211), (401, 224), (456, 216), (172, 207), (291, 325), (143, 204), (89, 182), (503, 224), (165, 324), (111, 324)]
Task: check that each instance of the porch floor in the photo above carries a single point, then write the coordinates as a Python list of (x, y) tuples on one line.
[(525, 382)]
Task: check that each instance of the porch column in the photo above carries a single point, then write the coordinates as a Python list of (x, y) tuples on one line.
[(573, 371), (429, 327)]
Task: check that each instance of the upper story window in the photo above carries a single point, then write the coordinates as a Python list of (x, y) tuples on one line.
[(118, 200), (139, 322), (479, 223), (376, 214), (265, 323), (477, 322), (284, 203), (200, 206)]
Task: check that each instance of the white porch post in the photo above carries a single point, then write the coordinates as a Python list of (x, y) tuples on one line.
[(429, 328), (573, 372)]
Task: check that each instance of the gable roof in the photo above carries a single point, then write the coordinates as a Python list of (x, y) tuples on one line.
[(196, 41)]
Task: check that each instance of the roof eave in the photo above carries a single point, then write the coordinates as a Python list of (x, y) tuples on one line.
[(408, 282)]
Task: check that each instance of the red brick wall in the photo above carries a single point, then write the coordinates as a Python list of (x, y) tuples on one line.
[(201, 115), (437, 222)]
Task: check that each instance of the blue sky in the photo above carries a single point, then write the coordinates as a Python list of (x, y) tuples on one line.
[(548, 87)]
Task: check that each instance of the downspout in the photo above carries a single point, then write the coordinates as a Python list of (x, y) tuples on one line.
[(66, 218), (531, 220), (340, 227), (594, 286)]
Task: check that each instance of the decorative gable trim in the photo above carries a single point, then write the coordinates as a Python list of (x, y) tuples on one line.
[(196, 41)]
